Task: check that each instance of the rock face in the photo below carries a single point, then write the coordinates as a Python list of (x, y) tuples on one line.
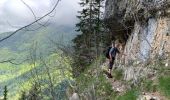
[(148, 41), (74, 97), (128, 9), (144, 26)]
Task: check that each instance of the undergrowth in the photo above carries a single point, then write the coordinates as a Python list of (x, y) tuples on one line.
[(129, 95), (164, 85)]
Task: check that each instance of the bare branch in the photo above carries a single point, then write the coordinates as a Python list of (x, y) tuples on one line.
[(31, 23), (12, 61), (7, 61), (32, 12)]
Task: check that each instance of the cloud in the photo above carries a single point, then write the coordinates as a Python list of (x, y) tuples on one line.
[(14, 12)]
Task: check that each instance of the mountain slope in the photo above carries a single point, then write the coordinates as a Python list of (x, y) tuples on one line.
[(21, 46)]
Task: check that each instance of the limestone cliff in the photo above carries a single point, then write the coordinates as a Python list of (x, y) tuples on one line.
[(144, 27)]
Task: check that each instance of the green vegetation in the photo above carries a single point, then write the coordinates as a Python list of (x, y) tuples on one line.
[(5, 93), (129, 95), (21, 78), (40, 69), (118, 74), (92, 83), (148, 86), (164, 85), (88, 44), (31, 58), (23, 96)]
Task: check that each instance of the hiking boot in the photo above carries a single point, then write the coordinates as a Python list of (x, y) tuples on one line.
[(110, 76)]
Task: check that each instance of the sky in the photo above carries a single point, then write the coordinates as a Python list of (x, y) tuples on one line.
[(14, 14)]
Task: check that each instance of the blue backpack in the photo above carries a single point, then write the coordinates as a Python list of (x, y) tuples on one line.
[(107, 52)]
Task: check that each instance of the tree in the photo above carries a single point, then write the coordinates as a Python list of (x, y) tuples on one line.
[(90, 25), (5, 93), (23, 96)]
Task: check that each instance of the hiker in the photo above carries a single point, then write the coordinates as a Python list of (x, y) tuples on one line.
[(112, 55)]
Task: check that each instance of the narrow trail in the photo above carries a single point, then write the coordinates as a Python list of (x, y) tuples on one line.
[(120, 88), (117, 85)]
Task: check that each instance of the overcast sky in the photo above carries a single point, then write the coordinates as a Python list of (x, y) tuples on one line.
[(15, 13)]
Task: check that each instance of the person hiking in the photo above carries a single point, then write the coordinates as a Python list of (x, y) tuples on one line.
[(112, 55)]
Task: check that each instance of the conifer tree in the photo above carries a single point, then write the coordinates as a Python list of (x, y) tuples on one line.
[(23, 96), (5, 93), (90, 25)]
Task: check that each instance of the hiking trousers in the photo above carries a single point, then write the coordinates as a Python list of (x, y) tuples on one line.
[(111, 63)]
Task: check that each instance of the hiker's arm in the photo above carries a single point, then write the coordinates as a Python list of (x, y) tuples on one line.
[(110, 54), (122, 53)]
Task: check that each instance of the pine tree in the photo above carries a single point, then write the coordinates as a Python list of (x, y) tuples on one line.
[(86, 44), (23, 96), (5, 93)]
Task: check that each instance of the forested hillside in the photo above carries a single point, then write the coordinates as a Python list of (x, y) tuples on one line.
[(24, 56)]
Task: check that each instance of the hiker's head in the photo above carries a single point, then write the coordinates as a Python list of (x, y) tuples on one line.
[(115, 44)]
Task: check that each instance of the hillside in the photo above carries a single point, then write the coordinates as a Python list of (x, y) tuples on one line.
[(18, 74)]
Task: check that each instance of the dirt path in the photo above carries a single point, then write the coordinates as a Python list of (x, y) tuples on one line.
[(121, 88)]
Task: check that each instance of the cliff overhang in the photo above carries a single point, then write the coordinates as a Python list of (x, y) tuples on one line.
[(121, 15)]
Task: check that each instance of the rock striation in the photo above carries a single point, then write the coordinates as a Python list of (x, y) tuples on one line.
[(143, 27)]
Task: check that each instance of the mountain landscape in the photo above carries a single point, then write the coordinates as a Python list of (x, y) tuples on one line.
[(18, 49), (115, 50)]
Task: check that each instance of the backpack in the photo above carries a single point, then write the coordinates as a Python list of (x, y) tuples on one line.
[(107, 52)]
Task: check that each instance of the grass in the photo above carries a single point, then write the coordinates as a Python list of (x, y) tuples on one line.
[(103, 88), (148, 86), (164, 85), (118, 74), (129, 95)]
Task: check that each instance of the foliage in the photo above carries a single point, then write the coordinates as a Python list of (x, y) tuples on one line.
[(87, 44), (104, 88), (23, 96), (129, 95), (148, 85), (61, 89), (21, 77), (47, 74), (164, 85), (93, 84), (5, 93), (118, 74)]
